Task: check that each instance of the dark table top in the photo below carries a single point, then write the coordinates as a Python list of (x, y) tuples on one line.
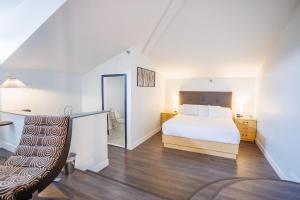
[(5, 123)]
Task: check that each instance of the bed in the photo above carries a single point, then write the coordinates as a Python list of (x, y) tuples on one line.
[(216, 136)]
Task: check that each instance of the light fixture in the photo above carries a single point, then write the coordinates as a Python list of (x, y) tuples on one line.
[(175, 107), (12, 82), (175, 102), (241, 108)]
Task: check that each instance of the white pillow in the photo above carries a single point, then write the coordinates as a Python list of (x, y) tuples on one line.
[(221, 112), (195, 110), (190, 109), (180, 109), (203, 110)]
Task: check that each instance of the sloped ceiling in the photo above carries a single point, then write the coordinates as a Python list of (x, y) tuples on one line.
[(193, 38), (84, 33), (19, 19), (221, 37), (8, 5)]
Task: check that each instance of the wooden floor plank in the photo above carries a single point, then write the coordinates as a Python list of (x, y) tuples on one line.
[(82, 185), (260, 190)]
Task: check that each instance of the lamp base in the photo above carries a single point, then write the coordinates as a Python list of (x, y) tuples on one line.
[(239, 115)]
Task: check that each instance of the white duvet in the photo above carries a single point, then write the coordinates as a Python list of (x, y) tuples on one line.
[(203, 128)]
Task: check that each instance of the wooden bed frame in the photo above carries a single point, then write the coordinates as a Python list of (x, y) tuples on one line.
[(225, 150)]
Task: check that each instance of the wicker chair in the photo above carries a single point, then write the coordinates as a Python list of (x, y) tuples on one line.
[(39, 158)]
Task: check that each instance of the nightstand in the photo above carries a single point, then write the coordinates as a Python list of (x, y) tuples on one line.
[(247, 128), (164, 116)]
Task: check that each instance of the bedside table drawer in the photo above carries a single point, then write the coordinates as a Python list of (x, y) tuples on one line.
[(247, 128), (241, 122), (241, 126), (248, 136)]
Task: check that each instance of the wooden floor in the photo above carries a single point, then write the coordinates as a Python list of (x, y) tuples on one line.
[(153, 172), (249, 189), (175, 174), (85, 186)]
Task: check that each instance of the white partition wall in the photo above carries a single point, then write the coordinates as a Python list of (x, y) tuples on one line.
[(89, 137), (89, 141)]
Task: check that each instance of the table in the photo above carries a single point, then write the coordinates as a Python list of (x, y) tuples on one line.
[(5, 123)]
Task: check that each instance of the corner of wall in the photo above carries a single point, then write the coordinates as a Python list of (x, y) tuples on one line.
[(277, 104), (133, 145)]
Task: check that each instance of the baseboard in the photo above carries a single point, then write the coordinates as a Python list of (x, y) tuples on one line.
[(100, 166), (116, 145), (272, 162), (143, 139), (91, 165), (9, 147)]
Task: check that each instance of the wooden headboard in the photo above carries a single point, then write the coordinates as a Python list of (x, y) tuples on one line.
[(223, 99)]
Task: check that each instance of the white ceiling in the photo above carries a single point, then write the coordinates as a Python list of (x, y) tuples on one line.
[(20, 19), (221, 37), (199, 37), (7, 5), (84, 33)]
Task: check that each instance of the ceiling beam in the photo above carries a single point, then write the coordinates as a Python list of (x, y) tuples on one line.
[(171, 11)]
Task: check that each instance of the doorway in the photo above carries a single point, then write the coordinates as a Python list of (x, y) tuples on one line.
[(114, 100)]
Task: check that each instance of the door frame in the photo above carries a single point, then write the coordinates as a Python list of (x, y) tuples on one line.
[(125, 98)]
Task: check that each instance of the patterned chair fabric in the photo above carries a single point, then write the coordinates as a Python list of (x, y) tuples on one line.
[(44, 142)]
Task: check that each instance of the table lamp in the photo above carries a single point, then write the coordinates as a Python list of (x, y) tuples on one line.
[(12, 82)]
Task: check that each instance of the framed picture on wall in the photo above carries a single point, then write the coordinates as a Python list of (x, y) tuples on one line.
[(145, 77)]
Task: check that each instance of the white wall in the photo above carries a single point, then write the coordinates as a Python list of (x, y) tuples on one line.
[(147, 102), (278, 103), (46, 92), (243, 90), (91, 81), (114, 94), (89, 142), (144, 104), (91, 85)]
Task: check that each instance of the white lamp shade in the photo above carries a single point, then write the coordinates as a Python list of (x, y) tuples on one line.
[(12, 82)]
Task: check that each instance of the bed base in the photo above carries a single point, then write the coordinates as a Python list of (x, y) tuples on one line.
[(201, 146)]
